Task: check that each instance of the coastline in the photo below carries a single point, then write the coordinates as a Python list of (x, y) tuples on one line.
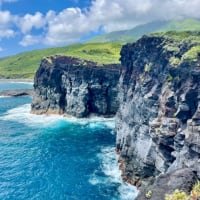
[(17, 80)]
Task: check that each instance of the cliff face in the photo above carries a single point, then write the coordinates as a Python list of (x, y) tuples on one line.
[(75, 87), (158, 122), (158, 103)]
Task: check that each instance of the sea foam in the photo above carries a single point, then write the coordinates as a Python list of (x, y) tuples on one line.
[(112, 174), (22, 114), (1, 97)]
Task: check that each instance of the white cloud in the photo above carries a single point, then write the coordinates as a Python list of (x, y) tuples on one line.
[(6, 24), (30, 40), (67, 26), (7, 33), (1, 49), (6, 18), (28, 22), (71, 24)]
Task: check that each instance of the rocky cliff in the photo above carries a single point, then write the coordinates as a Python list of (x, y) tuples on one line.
[(158, 122), (76, 87), (158, 103)]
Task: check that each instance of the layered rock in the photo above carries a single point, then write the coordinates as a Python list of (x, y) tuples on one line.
[(158, 122), (181, 179), (76, 87)]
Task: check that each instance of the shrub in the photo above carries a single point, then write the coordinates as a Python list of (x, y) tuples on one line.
[(148, 195), (195, 193), (192, 54), (177, 195), (147, 67), (174, 61)]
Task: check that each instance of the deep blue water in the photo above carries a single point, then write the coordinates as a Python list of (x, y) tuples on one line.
[(53, 157)]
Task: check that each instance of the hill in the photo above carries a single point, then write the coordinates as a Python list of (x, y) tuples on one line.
[(24, 65), (158, 26), (102, 49)]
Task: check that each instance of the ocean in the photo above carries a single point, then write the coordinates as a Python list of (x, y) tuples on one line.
[(56, 158)]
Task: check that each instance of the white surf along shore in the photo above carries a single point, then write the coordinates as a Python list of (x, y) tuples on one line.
[(107, 157)]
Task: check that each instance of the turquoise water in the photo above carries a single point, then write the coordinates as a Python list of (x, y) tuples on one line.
[(53, 157)]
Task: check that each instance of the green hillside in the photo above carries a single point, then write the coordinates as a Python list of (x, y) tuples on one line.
[(103, 49), (24, 65), (158, 26)]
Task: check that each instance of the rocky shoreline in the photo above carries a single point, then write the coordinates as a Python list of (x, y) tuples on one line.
[(16, 80), (17, 93), (157, 123), (156, 95)]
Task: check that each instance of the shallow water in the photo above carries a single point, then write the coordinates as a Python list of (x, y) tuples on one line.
[(53, 157)]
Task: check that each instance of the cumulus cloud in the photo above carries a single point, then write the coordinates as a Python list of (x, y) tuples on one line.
[(6, 18), (66, 26), (6, 24), (30, 40), (71, 24), (7, 33), (28, 22)]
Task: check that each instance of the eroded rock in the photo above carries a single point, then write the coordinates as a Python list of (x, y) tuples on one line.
[(76, 87)]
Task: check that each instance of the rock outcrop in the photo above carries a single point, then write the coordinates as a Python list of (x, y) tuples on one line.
[(158, 122), (158, 103), (17, 93), (181, 179), (76, 87)]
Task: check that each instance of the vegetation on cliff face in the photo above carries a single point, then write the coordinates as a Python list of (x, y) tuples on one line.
[(24, 65), (177, 42), (180, 195), (159, 108)]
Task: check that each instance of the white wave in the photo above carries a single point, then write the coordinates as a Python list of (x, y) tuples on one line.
[(22, 114), (94, 122), (22, 82), (110, 168), (4, 97)]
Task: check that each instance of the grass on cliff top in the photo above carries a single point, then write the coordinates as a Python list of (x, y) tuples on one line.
[(24, 65), (178, 35), (180, 195), (188, 38)]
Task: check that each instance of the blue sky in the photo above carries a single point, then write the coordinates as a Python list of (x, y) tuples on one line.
[(33, 24)]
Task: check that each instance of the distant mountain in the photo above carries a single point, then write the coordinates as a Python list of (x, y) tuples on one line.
[(157, 26)]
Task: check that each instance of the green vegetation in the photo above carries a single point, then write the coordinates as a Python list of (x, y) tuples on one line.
[(192, 54), (174, 61), (170, 78), (24, 65), (181, 25), (147, 67), (195, 193), (189, 41), (180, 195), (148, 195), (153, 27), (185, 36), (177, 195)]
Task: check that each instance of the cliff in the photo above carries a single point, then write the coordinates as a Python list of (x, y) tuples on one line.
[(156, 95), (158, 122), (67, 85)]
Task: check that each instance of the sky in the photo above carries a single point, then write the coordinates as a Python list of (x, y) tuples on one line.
[(33, 24)]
